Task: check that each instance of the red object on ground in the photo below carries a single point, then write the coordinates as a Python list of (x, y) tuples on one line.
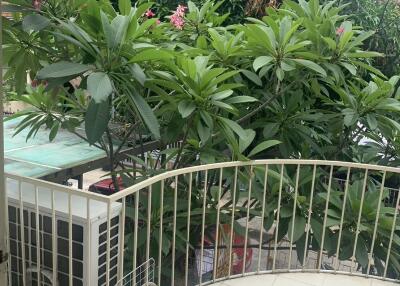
[(238, 256), (106, 187)]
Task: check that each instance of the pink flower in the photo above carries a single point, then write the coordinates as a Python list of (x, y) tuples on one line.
[(339, 31), (177, 22), (180, 10), (177, 19), (35, 83), (158, 22), (37, 4), (149, 14)]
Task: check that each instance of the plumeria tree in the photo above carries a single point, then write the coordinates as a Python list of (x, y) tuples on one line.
[(296, 83)]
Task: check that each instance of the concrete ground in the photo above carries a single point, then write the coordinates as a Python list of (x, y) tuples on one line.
[(304, 279)]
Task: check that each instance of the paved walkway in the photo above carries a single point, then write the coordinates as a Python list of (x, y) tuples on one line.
[(304, 279)]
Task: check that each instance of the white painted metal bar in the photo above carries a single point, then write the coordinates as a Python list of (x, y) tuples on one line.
[(293, 216), (376, 223), (396, 211), (174, 231), (71, 281), (202, 228), (217, 226), (54, 235), (135, 237), (122, 241), (37, 225), (200, 168), (232, 221), (188, 230), (5, 268), (89, 239), (148, 230), (321, 251), (108, 244), (346, 189), (161, 232), (277, 218), (359, 219), (262, 219), (22, 226), (309, 216), (247, 220)]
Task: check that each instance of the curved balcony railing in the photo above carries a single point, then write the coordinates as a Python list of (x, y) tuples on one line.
[(209, 223)]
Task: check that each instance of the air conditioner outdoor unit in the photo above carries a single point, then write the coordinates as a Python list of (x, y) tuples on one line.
[(86, 248)]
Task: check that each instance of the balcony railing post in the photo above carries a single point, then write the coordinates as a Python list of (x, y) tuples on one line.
[(232, 221), (174, 231), (247, 220), (148, 229), (262, 218), (215, 263), (203, 227), (321, 251), (188, 229), (359, 218), (336, 263), (161, 232), (22, 225), (4, 249), (392, 233), (308, 226), (296, 190), (278, 212), (376, 222)]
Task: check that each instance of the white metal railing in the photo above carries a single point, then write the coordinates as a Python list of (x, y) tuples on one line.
[(209, 223)]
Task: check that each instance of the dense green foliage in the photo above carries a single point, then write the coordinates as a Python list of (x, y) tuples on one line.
[(383, 18), (297, 83)]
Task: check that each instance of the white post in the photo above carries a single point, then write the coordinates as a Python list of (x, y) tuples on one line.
[(3, 205)]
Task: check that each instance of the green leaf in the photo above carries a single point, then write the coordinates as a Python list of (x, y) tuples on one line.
[(151, 54), (389, 104), (252, 76), (246, 141), (124, 6), (261, 61), (186, 107), (369, 68), (331, 43), (234, 127), (62, 69), (361, 253), (99, 86), (298, 229), (204, 132), (352, 69), (311, 65), (372, 122), (146, 114), (221, 95), (35, 22), (364, 54), (263, 146), (107, 29), (280, 74), (54, 131), (142, 9), (96, 120), (241, 99)]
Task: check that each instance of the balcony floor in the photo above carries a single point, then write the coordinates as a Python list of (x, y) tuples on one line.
[(304, 279)]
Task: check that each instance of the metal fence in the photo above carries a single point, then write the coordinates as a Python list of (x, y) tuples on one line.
[(209, 223)]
